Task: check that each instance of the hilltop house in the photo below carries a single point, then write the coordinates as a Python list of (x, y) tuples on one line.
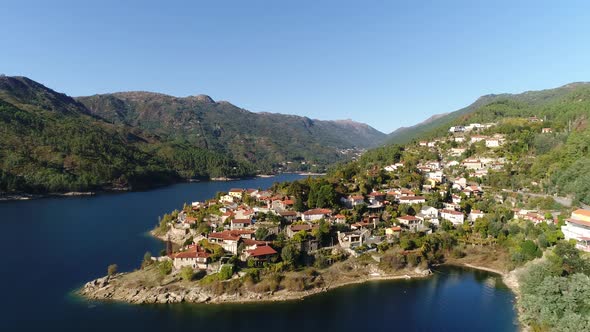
[(240, 223), (316, 214), (349, 240), (229, 240), (412, 222), (260, 254), (577, 228), (194, 256), (456, 217), (237, 193), (352, 201), (412, 200), (475, 214)]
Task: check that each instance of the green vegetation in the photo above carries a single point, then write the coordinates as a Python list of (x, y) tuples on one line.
[(556, 291), (165, 267), (50, 143), (187, 273), (268, 141)]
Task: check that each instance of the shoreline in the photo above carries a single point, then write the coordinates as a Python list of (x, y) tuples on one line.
[(197, 295), (162, 295)]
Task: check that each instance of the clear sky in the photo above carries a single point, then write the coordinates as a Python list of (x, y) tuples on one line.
[(386, 63)]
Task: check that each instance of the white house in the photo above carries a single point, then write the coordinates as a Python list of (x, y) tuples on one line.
[(456, 217), (577, 228), (412, 200), (237, 193), (475, 214), (412, 222), (316, 214)]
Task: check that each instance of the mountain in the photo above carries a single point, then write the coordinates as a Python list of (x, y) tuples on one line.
[(528, 99), (268, 140), (50, 142)]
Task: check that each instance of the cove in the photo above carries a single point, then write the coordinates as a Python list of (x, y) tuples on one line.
[(53, 245)]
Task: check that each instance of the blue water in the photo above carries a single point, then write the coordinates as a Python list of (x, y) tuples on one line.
[(52, 246)]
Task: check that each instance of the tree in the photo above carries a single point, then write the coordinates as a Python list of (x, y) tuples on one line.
[(290, 254), (226, 272), (165, 267), (147, 259), (187, 273), (261, 233), (112, 269)]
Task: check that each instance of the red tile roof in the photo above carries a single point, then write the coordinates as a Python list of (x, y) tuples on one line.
[(262, 251), (317, 212), (408, 218)]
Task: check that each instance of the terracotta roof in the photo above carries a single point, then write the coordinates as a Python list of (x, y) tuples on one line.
[(193, 251), (262, 251), (251, 242), (339, 216), (236, 190), (583, 212), (288, 213), (301, 227), (233, 235), (579, 222), (241, 221), (408, 218), (447, 211), (317, 211), (395, 228)]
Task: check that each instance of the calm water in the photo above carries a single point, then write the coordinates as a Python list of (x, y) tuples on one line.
[(52, 246)]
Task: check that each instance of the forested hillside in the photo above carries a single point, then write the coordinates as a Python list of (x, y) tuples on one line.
[(50, 142), (270, 141)]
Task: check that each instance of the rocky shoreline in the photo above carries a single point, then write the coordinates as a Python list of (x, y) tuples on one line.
[(110, 288)]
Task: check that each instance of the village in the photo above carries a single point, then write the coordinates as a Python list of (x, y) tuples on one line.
[(253, 227)]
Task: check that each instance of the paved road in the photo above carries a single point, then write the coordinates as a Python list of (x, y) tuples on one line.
[(565, 201)]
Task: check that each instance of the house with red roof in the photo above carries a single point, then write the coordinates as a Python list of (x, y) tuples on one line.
[(194, 256), (412, 222), (260, 254), (240, 223), (229, 239), (412, 200)]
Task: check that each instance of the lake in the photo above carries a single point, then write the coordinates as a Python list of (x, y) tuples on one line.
[(51, 246)]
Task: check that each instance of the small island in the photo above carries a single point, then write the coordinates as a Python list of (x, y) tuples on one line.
[(369, 220)]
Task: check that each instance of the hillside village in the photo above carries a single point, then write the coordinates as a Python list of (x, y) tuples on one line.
[(254, 228), (466, 197)]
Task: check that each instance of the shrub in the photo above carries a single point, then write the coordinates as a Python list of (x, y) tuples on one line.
[(187, 273), (165, 267), (112, 269)]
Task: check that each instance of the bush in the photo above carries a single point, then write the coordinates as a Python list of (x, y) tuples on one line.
[(165, 267), (112, 269), (187, 273), (294, 284), (226, 272)]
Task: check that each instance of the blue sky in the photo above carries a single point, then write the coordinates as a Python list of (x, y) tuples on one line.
[(386, 63)]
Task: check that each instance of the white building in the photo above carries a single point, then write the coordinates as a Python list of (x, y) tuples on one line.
[(577, 228), (456, 217)]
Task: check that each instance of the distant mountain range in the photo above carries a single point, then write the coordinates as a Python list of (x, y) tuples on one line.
[(52, 142), (268, 140)]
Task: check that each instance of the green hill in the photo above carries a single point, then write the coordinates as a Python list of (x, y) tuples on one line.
[(50, 142), (267, 140)]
